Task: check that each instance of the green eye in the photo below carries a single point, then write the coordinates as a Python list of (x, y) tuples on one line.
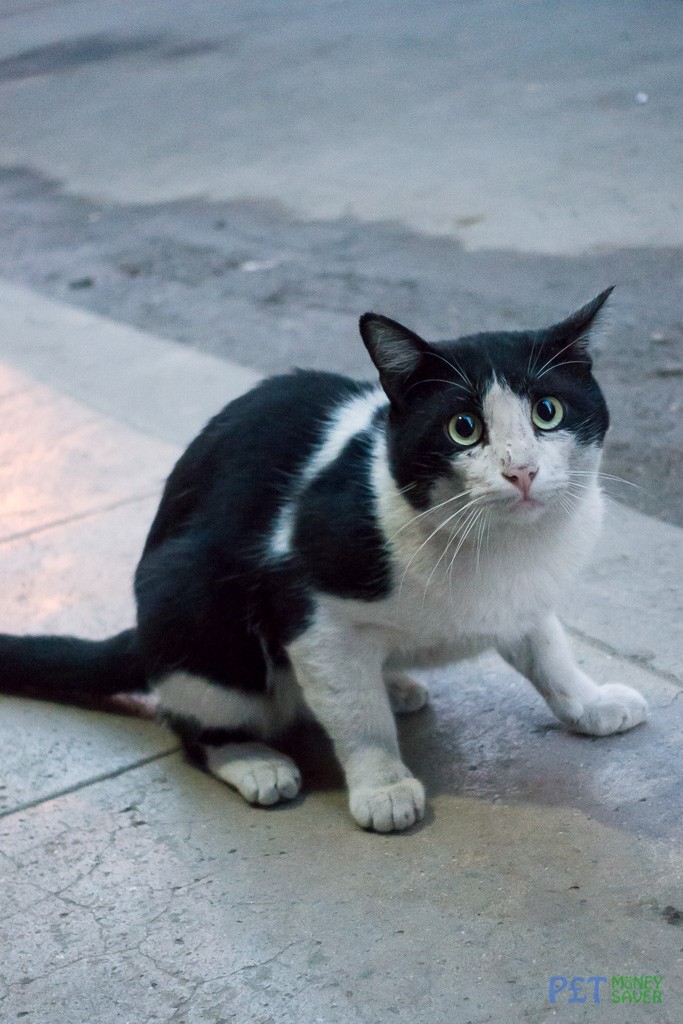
[(465, 429), (547, 413)]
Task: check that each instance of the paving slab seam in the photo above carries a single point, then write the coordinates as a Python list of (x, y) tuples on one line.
[(78, 517), (630, 659), (92, 781)]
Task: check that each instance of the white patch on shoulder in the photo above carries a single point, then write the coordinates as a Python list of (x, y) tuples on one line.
[(400, 522), (348, 420), (281, 541)]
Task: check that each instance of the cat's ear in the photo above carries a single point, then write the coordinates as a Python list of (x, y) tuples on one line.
[(573, 334), (396, 351)]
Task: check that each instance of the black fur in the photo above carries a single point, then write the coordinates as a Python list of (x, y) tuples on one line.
[(212, 600), (209, 599), (351, 562), (69, 669)]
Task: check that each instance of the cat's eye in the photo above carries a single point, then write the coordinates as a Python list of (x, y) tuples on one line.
[(465, 429), (547, 413)]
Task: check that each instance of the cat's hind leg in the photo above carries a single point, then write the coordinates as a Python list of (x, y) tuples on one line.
[(231, 699), (544, 656), (223, 731), (260, 774)]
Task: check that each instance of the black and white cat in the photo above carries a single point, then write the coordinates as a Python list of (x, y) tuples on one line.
[(322, 536)]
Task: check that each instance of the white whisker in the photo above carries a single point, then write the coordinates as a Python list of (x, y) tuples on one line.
[(452, 535), (605, 476), (440, 380), (456, 369), (548, 363), (556, 366), (429, 511), (464, 537), (440, 526)]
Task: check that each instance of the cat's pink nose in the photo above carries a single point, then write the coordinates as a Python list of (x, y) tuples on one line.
[(522, 477)]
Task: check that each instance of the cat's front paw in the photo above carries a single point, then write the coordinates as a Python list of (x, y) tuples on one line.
[(388, 808), (615, 708), (406, 695)]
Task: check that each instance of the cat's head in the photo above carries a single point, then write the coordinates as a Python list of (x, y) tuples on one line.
[(512, 421)]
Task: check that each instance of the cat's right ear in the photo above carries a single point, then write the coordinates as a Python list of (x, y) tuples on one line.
[(396, 352)]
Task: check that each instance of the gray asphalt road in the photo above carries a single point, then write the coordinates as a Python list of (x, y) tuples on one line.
[(248, 178)]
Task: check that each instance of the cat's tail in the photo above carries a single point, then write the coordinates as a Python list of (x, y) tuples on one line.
[(70, 670)]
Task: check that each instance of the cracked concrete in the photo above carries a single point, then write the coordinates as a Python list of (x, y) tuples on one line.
[(229, 918), (134, 888)]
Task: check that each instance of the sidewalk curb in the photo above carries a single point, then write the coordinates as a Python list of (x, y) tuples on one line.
[(160, 388)]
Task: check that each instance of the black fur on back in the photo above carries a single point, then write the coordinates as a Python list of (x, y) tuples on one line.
[(352, 562), (209, 599), (212, 599)]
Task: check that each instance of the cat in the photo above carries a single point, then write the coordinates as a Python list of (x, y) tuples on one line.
[(323, 536)]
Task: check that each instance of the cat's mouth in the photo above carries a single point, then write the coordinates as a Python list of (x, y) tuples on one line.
[(517, 503), (528, 502), (520, 509)]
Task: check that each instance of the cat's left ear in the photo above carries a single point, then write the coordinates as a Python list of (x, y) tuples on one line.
[(396, 351), (572, 335)]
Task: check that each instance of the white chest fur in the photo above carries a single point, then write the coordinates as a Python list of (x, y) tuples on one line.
[(454, 600)]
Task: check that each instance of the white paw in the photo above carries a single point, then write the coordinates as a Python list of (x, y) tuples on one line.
[(388, 808), (261, 775), (615, 708), (406, 695)]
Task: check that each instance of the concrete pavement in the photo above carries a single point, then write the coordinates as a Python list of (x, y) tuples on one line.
[(135, 889)]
